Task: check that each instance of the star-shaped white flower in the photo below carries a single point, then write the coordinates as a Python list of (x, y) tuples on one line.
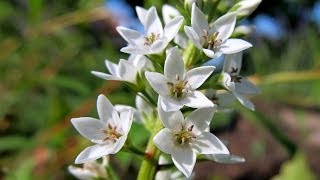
[(178, 88), (214, 40), (155, 38), (184, 138), (109, 133), (91, 170), (127, 70), (235, 83)]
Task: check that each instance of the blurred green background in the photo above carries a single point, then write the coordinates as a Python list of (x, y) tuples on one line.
[(48, 48)]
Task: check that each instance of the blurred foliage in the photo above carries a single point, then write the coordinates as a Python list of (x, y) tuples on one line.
[(47, 50), (297, 168)]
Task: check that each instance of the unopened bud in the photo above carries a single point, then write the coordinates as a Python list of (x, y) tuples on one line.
[(245, 7)]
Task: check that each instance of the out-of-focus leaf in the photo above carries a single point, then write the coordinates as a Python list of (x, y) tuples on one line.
[(70, 83), (295, 169), (13, 143), (23, 171)]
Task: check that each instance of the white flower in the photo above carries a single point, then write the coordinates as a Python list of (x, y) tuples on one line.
[(214, 41), (246, 7), (155, 38), (183, 138), (126, 70), (168, 13), (109, 133), (178, 88), (91, 170), (235, 83)]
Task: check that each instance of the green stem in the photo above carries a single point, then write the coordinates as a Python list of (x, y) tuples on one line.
[(190, 55), (149, 164)]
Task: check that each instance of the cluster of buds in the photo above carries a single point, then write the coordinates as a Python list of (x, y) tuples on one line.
[(165, 69)]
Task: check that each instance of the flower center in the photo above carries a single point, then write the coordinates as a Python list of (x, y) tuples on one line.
[(184, 135), (111, 132), (211, 41), (234, 76), (178, 89), (151, 39)]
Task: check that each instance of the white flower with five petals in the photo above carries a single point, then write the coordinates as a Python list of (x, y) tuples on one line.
[(184, 138), (127, 70), (235, 83), (177, 87), (214, 40), (109, 133), (155, 38)]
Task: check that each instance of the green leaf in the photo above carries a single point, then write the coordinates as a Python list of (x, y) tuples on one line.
[(13, 143), (296, 168)]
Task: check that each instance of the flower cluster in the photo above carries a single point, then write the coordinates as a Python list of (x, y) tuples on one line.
[(177, 95)]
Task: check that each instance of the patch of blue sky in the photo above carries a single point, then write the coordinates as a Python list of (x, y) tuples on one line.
[(217, 62), (268, 26), (124, 14), (315, 14)]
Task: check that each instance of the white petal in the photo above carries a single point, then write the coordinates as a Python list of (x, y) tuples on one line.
[(112, 68), (164, 141), (168, 104), (225, 98), (244, 101), (184, 159), (143, 106), (225, 26), (174, 65), (232, 61), (210, 53), (225, 158), (226, 82), (105, 76), (142, 14), (81, 173), (172, 27), (201, 119), (118, 145), (197, 76), (193, 36), (198, 20), (127, 71), (106, 111), (153, 23), (92, 153), (89, 128), (233, 46), (158, 82), (126, 118), (197, 100), (207, 143), (247, 87), (181, 39), (158, 46), (135, 50), (131, 36), (171, 120)]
